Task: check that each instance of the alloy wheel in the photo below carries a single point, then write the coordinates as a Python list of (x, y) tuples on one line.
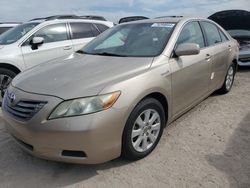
[(229, 78), (146, 130)]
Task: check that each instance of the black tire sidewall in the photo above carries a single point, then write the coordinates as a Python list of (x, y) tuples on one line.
[(128, 150), (7, 72)]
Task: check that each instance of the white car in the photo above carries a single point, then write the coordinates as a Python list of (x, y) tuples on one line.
[(43, 39), (6, 26)]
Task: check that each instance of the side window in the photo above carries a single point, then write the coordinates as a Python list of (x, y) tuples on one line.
[(81, 30), (102, 27), (52, 33), (191, 33), (212, 33), (95, 30), (223, 36)]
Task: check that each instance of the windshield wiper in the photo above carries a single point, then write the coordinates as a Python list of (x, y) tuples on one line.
[(110, 54), (101, 53), (81, 52)]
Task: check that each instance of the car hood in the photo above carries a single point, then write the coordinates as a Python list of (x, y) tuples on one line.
[(232, 19), (79, 75), (244, 42), (1, 46)]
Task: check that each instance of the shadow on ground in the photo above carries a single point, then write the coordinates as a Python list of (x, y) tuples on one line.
[(19, 169), (235, 161), (244, 69)]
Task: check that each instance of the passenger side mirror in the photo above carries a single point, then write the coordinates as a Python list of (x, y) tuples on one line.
[(187, 49), (35, 42)]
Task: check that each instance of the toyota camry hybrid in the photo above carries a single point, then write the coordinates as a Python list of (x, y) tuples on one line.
[(115, 96)]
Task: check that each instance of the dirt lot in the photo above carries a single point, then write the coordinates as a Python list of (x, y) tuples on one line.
[(207, 147)]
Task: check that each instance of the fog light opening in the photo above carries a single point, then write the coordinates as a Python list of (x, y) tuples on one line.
[(70, 153)]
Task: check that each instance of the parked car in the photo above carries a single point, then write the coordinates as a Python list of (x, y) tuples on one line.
[(6, 26), (237, 23), (114, 97), (131, 19), (43, 39)]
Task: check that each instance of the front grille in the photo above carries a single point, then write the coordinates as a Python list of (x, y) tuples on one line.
[(23, 110), (244, 59)]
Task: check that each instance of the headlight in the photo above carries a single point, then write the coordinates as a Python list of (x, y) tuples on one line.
[(83, 106)]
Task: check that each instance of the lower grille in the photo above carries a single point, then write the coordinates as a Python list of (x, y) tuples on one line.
[(23, 110)]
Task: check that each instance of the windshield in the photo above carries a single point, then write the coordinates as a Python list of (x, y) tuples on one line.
[(132, 40), (239, 33), (16, 33)]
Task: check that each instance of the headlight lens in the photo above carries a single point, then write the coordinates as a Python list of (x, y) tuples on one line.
[(83, 106)]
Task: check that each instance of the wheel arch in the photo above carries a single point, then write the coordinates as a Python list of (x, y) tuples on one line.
[(162, 99), (10, 67), (235, 62)]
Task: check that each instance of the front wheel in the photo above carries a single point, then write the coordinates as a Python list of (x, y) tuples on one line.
[(143, 129), (229, 80), (6, 77)]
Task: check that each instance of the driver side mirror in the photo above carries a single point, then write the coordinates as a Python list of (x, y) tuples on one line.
[(187, 49), (35, 42)]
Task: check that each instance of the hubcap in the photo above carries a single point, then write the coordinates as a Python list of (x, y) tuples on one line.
[(4, 82), (146, 130), (229, 78)]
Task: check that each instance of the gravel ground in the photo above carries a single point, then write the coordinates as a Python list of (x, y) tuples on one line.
[(207, 147)]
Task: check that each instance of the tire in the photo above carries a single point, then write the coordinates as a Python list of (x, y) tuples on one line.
[(6, 76), (229, 80), (133, 151)]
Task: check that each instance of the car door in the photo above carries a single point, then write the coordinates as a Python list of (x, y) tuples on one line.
[(82, 33), (190, 74), (56, 44), (219, 47)]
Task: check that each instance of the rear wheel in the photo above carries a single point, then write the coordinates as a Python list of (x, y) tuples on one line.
[(229, 80), (143, 129), (6, 77)]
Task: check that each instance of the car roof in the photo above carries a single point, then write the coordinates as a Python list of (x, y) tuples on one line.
[(131, 18), (71, 18), (68, 20), (159, 20)]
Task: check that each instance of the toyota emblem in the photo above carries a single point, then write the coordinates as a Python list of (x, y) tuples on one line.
[(12, 97)]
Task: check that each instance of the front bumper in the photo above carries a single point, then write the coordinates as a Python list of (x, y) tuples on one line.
[(87, 139)]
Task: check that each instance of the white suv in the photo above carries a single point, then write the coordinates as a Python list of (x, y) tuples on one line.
[(43, 39), (6, 26)]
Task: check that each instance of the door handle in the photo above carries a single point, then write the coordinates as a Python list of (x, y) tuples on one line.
[(67, 47), (208, 57), (229, 47)]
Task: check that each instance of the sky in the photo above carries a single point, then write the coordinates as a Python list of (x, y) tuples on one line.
[(113, 10)]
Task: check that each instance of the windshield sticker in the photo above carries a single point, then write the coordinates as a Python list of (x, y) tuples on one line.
[(169, 25)]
